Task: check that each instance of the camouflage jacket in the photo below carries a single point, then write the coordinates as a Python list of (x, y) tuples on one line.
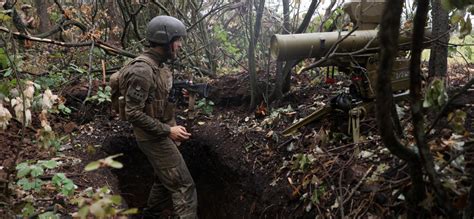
[(146, 88)]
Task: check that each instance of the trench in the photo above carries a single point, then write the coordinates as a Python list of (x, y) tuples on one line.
[(221, 192)]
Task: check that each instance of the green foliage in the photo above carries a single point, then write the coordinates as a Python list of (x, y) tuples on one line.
[(4, 63), (436, 95), (29, 179), (461, 16), (333, 19), (8, 72), (466, 27), (223, 37), (207, 106), (6, 85), (459, 4), (452, 50), (107, 162), (461, 53), (302, 161), (457, 119), (77, 69), (276, 116), (103, 95), (469, 53), (23, 169), (65, 185), (50, 164), (231, 47), (48, 140), (100, 204), (27, 210), (48, 215), (4, 17), (53, 79), (317, 194), (28, 175), (64, 109), (30, 184)]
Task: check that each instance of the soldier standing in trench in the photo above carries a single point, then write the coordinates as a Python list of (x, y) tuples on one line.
[(145, 83)]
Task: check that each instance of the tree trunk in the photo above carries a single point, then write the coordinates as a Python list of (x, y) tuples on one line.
[(254, 33), (209, 50), (42, 12), (438, 64), (286, 17), (388, 35), (277, 90), (112, 11)]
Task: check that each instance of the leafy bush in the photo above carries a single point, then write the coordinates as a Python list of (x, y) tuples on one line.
[(103, 95), (100, 204), (436, 95), (207, 106), (29, 175), (65, 185)]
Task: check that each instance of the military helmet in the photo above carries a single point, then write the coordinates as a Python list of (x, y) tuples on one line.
[(25, 7), (162, 29)]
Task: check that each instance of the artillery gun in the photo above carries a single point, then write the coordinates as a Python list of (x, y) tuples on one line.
[(354, 53)]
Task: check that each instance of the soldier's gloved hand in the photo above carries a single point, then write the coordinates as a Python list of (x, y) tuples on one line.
[(179, 133)]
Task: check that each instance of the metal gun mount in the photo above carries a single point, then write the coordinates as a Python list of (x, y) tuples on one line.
[(355, 53)]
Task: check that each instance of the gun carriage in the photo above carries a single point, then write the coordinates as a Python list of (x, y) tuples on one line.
[(354, 53)]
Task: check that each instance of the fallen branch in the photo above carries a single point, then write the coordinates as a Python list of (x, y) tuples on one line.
[(102, 45), (358, 185), (61, 26), (333, 50)]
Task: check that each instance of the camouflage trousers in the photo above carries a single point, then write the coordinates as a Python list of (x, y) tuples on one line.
[(172, 185)]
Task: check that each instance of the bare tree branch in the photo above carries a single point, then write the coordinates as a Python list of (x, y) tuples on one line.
[(100, 44), (161, 6), (214, 11), (61, 26), (332, 51), (327, 14)]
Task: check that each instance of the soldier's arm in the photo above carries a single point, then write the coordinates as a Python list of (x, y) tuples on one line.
[(137, 93)]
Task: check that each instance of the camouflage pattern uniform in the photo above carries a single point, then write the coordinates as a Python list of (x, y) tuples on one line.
[(147, 87)]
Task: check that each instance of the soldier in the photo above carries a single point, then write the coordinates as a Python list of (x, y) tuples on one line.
[(27, 19), (145, 84)]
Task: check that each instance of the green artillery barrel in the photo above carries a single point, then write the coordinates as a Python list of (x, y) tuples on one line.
[(316, 45)]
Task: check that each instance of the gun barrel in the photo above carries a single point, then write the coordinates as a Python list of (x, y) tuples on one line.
[(316, 45)]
